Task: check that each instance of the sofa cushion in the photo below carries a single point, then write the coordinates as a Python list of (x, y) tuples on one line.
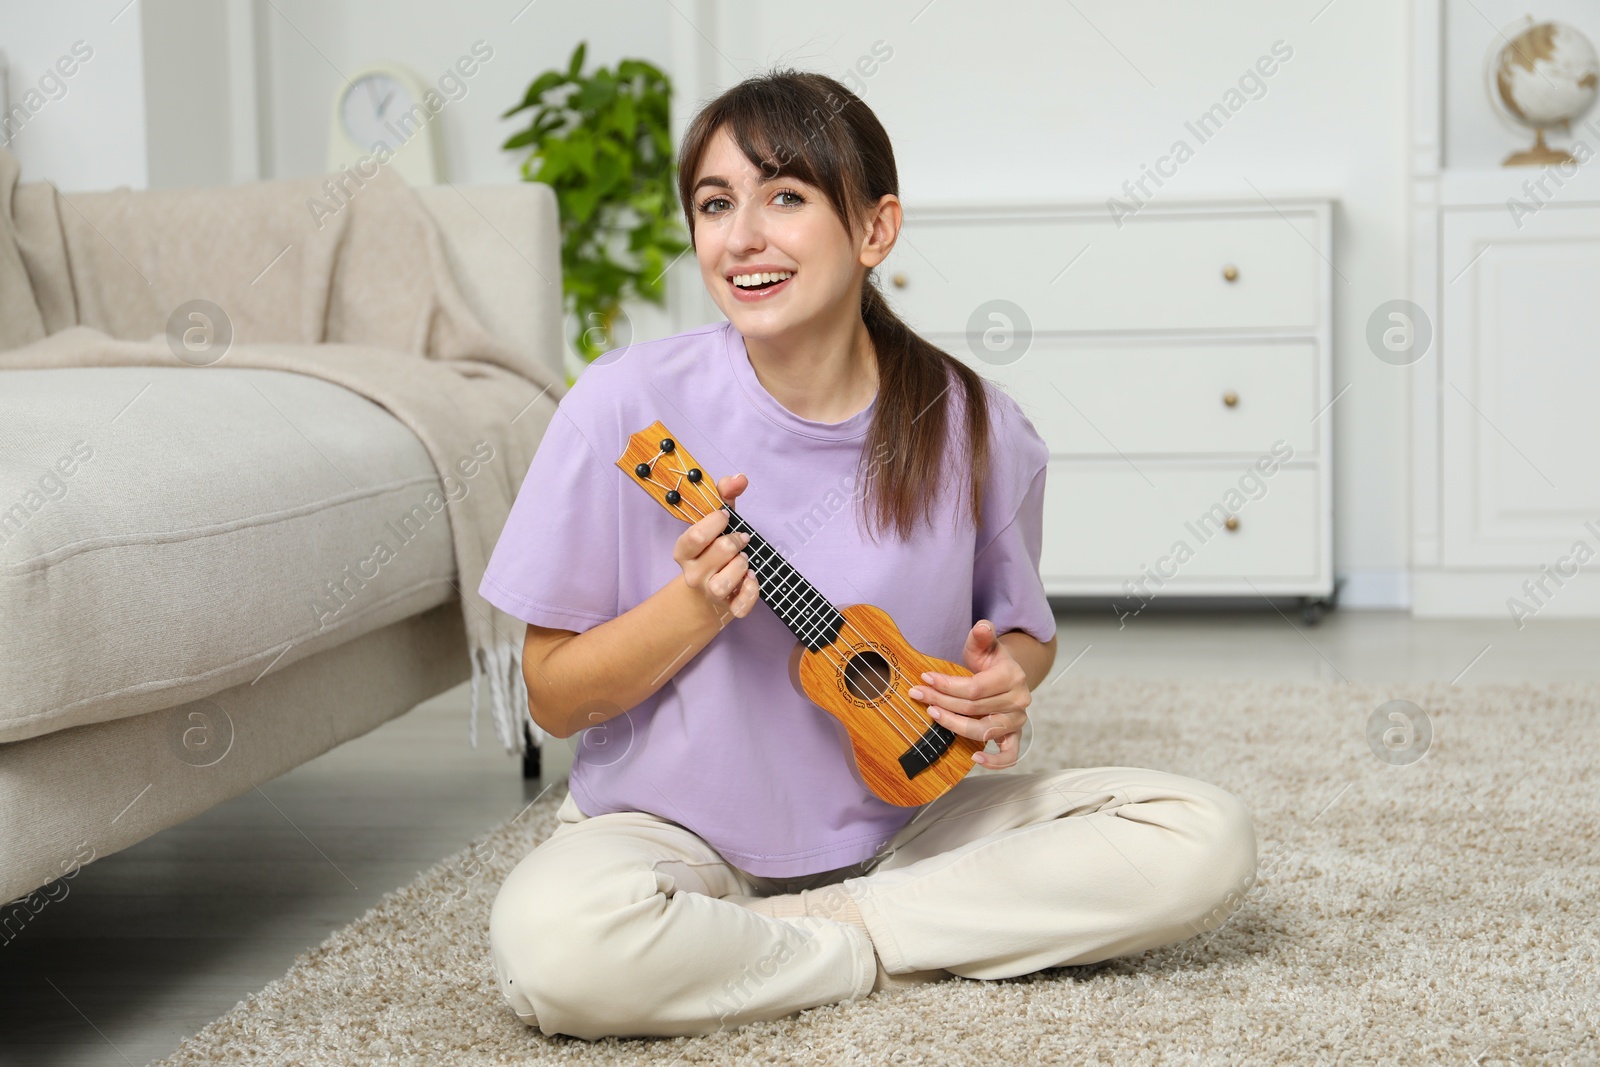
[(167, 533)]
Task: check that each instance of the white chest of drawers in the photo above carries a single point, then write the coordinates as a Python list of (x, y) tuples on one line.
[(1177, 365)]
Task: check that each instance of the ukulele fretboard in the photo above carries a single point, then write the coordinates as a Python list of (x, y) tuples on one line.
[(806, 612)]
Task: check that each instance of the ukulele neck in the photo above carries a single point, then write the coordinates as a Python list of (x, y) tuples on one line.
[(806, 612)]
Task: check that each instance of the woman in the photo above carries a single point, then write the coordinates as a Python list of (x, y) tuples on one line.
[(717, 859)]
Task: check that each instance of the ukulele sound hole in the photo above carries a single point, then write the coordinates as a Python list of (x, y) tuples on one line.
[(868, 675)]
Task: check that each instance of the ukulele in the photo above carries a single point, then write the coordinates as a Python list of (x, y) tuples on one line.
[(851, 661)]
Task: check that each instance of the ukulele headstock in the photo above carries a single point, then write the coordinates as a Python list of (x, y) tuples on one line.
[(659, 463)]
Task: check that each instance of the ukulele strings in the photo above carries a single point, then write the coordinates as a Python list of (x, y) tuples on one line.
[(916, 743)]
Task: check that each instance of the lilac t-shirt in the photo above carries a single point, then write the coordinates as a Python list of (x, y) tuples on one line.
[(727, 747)]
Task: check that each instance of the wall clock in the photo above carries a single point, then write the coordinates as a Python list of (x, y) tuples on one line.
[(388, 104)]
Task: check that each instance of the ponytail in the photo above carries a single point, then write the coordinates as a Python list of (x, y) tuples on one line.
[(910, 425)]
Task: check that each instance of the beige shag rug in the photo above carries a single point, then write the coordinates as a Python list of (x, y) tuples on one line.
[(1436, 911)]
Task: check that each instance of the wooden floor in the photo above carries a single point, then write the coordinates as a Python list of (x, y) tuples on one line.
[(154, 942)]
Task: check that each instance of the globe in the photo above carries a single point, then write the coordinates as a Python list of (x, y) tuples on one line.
[(1546, 76)]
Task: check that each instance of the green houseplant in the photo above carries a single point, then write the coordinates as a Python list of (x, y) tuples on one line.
[(602, 141)]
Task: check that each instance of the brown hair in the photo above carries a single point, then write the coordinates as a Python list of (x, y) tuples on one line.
[(812, 128)]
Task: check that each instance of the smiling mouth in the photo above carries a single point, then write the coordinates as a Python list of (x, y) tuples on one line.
[(755, 283)]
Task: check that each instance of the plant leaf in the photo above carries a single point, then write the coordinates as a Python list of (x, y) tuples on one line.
[(603, 144), (518, 140), (550, 79), (596, 93)]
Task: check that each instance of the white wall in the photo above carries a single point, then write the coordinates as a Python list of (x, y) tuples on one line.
[(1005, 100), (89, 131), (314, 44)]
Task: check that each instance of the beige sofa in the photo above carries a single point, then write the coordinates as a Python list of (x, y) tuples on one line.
[(202, 731)]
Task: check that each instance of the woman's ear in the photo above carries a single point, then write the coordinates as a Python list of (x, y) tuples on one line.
[(883, 228)]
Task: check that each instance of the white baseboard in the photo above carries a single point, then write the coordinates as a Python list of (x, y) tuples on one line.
[(1445, 593), (1375, 589)]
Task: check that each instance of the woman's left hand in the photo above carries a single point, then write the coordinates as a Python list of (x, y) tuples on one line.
[(989, 706)]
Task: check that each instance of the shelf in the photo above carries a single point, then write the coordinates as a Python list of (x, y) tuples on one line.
[(1492, 187)]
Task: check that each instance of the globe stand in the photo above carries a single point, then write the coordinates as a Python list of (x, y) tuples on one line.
[(1540, 155)]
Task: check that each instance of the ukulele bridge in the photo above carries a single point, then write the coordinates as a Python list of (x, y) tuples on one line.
[(920, 756)]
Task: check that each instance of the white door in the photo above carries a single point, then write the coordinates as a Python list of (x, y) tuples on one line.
[(1519, 388)]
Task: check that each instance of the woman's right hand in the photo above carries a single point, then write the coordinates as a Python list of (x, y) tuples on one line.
[(713, 560)]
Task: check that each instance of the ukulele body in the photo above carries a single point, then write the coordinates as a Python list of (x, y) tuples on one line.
[(863, 679)]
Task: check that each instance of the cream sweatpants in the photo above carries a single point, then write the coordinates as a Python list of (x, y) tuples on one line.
[(614, 925)]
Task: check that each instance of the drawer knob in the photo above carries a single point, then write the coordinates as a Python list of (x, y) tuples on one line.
[(1230, 272), (899, 280), (1230, 398), (1231, 522)]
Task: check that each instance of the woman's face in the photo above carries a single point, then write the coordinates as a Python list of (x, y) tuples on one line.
[(746, 223)]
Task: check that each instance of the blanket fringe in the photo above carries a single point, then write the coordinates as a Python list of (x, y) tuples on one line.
[(500, 665)]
